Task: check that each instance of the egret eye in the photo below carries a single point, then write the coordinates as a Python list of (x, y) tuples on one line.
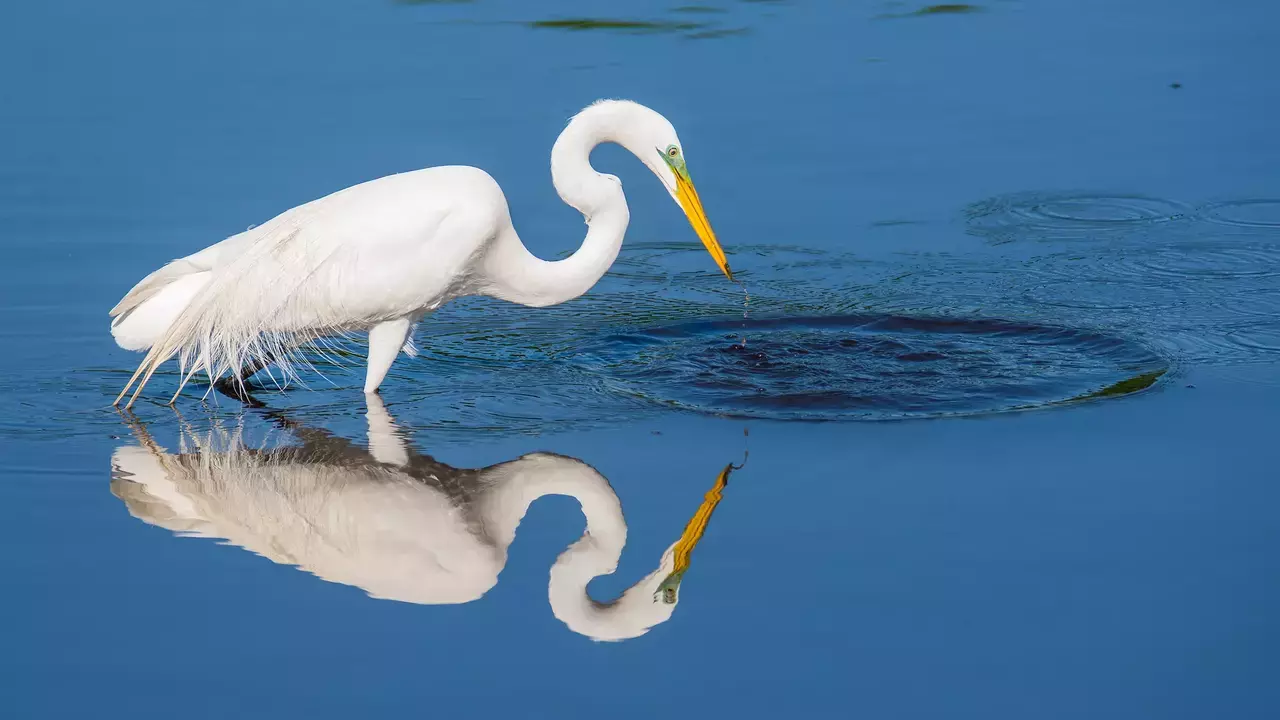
[(673, 152)]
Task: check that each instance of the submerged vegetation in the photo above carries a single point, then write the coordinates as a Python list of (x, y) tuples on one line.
[(617, 24), (683, 20), (692, 30), (947, 9), (1126, 387), (944, 9), (692, 21)]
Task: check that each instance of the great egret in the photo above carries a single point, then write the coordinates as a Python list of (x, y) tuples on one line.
[(398, 524), (378, 256)]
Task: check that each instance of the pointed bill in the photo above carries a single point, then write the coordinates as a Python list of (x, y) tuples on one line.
[(688, 197), (682, 550), (689, 201)]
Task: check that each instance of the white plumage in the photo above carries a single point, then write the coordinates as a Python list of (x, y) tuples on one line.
[(398, 524), (378, 256)]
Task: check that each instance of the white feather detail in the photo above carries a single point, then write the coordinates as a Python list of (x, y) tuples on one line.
[(261, 307), (410, 348), (384, 251)]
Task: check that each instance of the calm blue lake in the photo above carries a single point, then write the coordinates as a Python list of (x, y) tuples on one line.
[(996, 437)]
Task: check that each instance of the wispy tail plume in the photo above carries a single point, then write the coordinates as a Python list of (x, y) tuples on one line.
[(261, 307)]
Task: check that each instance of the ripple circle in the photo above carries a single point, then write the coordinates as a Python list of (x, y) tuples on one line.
[(870, 366), (1014, 216), (1202, 261), (1264, 337), (1258, 213)]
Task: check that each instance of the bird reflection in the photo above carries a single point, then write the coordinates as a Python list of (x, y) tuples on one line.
[(397, 523)]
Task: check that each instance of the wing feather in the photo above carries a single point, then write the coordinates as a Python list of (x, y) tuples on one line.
[(259, 307)]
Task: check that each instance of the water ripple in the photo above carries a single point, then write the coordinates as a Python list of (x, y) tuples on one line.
[(1199, 287), (1201, 261), (1264, 337), (1255, 213), (870, 366), (1068, 215)]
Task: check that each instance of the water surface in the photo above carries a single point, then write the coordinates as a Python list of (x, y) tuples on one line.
[(1064, 207)]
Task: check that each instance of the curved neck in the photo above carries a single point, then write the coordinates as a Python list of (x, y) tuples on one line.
[(513, 273), (636, 610), (514, 486), (645, 604)]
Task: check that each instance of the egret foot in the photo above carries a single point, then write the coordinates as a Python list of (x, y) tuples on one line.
[(236, 389)]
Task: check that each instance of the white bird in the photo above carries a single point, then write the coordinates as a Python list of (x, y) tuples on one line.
[(378, 256), (398, 524)]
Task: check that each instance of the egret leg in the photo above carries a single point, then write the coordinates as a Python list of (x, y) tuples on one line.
[(386, 445), (385, 341), (237, 391), (234, 387)]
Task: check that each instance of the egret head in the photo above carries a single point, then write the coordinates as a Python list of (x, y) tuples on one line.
[(670, 167), (668, 591), (652, 138)]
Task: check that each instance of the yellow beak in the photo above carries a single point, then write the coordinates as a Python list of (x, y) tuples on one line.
[(697, 525), (682, 550), (692, 206)]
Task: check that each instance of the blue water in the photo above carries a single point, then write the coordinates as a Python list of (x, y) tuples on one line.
[(1060, 220)]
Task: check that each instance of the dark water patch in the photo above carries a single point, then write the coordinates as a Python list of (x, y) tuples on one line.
[(932, 10), (866, 367), (947, 9), (714, 33), (501, 368), (1255, 213), (580, 24)]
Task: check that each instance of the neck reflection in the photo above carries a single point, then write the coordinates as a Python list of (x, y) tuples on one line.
[(396, 523)]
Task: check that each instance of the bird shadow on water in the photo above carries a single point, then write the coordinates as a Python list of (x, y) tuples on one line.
[(395, 522)]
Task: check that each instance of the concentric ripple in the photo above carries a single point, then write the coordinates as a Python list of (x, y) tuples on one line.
[(871, 366), (1255, 213), (1262, 337), (1103, 294), (1020, 215), (1261, 303), (641, 342), (1205, 260)]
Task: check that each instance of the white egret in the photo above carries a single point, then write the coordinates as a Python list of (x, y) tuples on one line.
[(398, 524), (378, 256)]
